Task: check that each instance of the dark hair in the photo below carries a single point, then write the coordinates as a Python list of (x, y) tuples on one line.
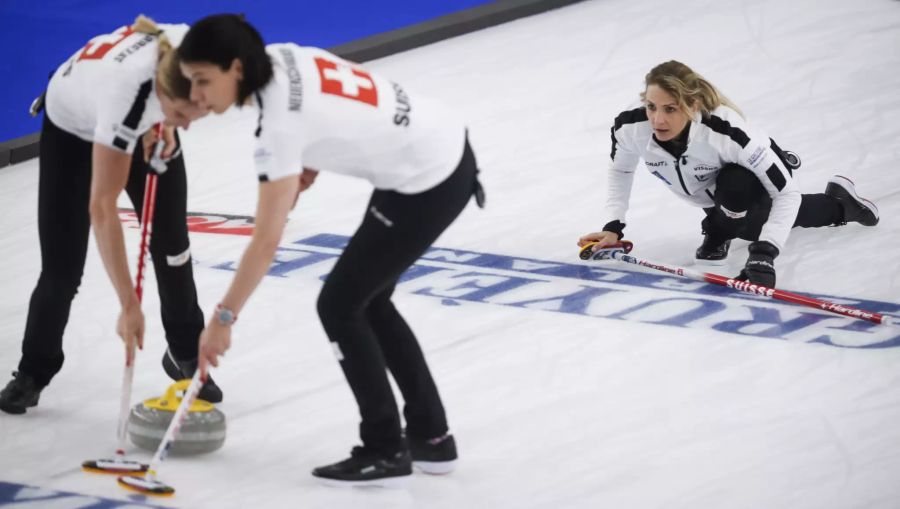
[(221, 38)]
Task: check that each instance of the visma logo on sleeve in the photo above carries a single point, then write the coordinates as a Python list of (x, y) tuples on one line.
[(456, 277)]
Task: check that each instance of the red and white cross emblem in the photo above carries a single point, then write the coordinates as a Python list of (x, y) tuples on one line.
[(346, 81)]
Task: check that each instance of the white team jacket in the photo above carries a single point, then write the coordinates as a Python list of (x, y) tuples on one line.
[(323, 112), (722, 138), (106, 92)]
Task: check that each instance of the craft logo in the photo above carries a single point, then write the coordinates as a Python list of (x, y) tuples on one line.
[(601, 289), (262, 155)]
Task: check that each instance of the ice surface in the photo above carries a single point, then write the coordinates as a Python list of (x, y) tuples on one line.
[(624, 399)]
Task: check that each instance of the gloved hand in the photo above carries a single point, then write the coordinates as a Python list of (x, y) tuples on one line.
[(760, 266), (611, 234)]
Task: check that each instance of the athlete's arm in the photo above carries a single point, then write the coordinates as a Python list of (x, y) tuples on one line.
[(620, 177), (110, 174), (276, 198)]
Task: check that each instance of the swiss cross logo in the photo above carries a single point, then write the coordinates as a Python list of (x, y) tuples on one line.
[(100, 45), (346, 81)]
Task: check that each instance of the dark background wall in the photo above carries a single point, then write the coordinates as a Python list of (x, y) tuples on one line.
[(38, 35)]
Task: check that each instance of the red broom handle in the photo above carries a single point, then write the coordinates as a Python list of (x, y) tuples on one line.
[(754, 289)]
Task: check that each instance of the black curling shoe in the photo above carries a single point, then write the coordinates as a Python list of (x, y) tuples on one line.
[(435, 456), (856, 209), (367, 468), (21, 393), (712, 252)]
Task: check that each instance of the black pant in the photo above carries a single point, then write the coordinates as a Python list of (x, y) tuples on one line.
[(739, 191), (63, 227), (365, 328)]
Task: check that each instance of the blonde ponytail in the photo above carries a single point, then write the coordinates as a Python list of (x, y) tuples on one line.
[(168, 72), (688, 88), (145, 25)]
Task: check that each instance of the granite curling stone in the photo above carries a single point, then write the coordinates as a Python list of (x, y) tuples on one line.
[(203, 430)]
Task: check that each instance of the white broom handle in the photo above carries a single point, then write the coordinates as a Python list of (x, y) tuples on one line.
[(190, 394)]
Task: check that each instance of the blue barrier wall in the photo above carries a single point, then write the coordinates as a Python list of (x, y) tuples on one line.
[(38, 35)]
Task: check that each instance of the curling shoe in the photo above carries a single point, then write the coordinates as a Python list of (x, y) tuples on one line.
[(856, 209), (21, 393), (712, 252), (367, 468), (435, 456)]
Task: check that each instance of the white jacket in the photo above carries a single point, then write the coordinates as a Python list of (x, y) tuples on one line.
[(323, 112), (106, 92), (714, 141)]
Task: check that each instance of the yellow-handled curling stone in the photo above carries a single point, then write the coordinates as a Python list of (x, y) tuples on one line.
[(203, 430)]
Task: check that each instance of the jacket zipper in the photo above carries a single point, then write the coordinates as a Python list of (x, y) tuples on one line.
[(680, 177)]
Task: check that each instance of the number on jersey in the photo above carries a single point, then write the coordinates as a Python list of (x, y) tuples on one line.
[(99, 46)]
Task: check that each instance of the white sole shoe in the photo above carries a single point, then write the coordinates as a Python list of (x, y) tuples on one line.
[(435, 467), (398, 482), (850, 188)]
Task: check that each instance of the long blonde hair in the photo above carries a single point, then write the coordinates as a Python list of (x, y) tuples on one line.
[(689, 88), (168, 73)]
